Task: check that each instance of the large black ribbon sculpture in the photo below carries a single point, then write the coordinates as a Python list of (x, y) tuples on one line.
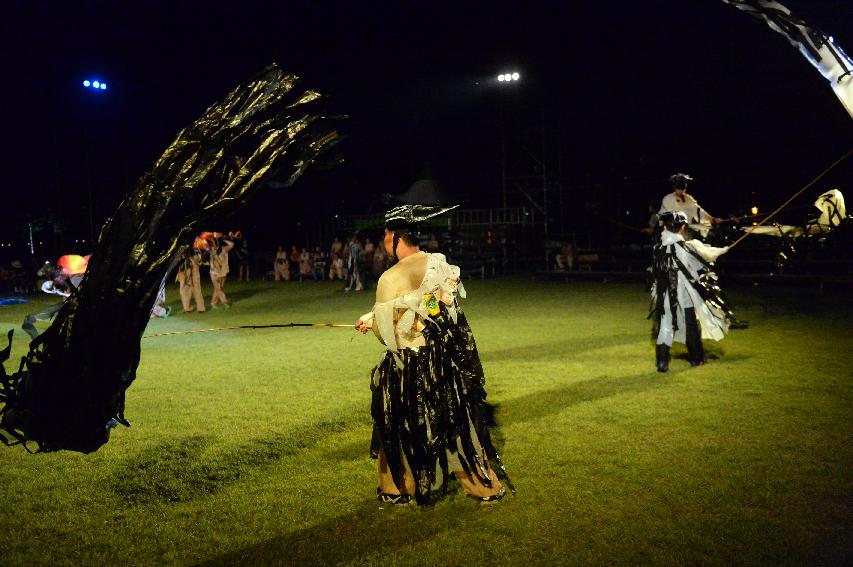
[(72, 382)]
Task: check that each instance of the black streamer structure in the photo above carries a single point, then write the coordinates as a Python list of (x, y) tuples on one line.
[(72, 382)]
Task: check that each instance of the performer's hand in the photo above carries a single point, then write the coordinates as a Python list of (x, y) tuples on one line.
[(364, 323)]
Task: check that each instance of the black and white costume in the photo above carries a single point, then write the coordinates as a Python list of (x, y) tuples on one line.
[(687, 303)]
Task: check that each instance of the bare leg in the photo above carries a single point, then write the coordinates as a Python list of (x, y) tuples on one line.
[(386, 480), (474, 487)]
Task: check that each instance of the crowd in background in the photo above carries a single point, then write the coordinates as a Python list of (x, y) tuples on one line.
[(355, 262)]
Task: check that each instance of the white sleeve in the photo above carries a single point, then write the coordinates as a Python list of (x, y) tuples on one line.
[(707, 253)]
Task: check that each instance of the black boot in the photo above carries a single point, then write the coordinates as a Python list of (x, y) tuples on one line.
[(662, 354), (693, 338)]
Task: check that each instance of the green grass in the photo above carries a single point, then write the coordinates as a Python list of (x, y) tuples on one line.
[(251, 446)]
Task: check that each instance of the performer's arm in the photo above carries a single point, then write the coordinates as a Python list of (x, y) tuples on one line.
[(384, 292), (708, 253)]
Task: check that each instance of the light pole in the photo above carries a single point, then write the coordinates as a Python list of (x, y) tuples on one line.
[(97, 86), (505, 79)]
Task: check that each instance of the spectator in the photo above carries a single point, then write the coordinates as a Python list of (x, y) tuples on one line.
[(566, 257), (319, 264), (281, 266), (336, 270), (294, 261), (306, 267), (243, 261), (380, 261), (355, 263), (337, 248)]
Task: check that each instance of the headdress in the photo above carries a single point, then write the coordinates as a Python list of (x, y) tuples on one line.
[(673, 220), (680, 180), (406, 218)]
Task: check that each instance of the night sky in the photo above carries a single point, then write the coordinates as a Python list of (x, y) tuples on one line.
[(614, 92)]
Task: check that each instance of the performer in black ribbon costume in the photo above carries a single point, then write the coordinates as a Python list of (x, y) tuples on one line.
[(72, 382), (428, 397), (687, 302)]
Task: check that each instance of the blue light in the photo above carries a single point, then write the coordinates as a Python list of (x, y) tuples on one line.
[(86, 83), (96, 84), (103, 86)]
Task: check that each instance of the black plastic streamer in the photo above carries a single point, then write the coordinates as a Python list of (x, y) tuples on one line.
[(73, 380)]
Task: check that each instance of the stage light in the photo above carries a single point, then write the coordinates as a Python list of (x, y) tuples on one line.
[(754, 210), (515, 76), (502, 78), (96, 84), (86, 83), (103, 86)]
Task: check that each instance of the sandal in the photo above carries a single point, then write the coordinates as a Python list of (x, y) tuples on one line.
[(489, 499), (385, 499)]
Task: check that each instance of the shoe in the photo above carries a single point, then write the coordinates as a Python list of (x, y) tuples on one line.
[(386, 499), (168, 312), (226, 305), (700, 362), (489, 499), (662, 356)]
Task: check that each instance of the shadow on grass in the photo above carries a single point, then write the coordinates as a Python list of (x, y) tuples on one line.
[(365, 531), (182, 470), (559, 348), (540, 404), (544, 403)]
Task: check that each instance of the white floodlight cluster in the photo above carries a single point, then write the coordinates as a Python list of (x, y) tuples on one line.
[(504, 77), (97, 85)]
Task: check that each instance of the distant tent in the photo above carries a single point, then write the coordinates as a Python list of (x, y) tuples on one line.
[(422, 192)]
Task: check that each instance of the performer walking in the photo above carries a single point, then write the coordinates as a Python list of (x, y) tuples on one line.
[(219, 250), (428, 397), (685, 289), (189, 280)]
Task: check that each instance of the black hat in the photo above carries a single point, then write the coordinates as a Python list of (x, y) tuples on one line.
[(673, 220), (680, 180), (408, 216)]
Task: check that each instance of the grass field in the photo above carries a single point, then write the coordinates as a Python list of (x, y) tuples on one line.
[(250, 447)]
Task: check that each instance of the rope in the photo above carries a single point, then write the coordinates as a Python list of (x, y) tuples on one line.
[(280, 326), (797, 194)]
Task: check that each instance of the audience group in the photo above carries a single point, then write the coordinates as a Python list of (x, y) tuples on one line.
[(354, 262)]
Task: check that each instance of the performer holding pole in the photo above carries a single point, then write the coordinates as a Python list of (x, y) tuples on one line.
[(189, 279), (681, 201), (687, 302), (428, 397)]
